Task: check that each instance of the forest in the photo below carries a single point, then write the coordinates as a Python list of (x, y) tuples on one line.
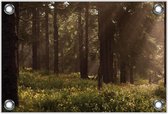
[(84, 56)]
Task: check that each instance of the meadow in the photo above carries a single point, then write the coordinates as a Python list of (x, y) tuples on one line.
[(39, 92)]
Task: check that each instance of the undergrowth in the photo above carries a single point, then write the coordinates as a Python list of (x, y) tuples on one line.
[(68, 93)]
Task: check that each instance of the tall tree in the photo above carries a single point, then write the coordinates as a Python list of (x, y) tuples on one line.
[(9, 57), (56, 68), (123, 45), (85, 63), (132, 38), (38, 36), (34, 41), (131, 73), (46, 39), (106, 39), (80, 37)]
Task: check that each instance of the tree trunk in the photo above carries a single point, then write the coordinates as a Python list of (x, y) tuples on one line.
[(85, 63), (115, 67), (150, 79), (100, 35), (106, 38), (76, 56), (123, 72), (17, 29), (34, 43), (46, 41), (17, 19), (81, 45), (10, 70), (131, 75), (99, 79), (61, 66), (38, 37), (56, 69)]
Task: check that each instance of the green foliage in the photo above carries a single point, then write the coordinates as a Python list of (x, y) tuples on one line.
[(41, 81), (68, 93), (141, 81), (160, 92)]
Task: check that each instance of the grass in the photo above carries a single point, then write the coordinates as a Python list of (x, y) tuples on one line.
[(68, 93)]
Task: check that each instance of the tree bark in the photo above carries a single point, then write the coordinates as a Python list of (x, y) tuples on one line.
[(122, 72), (38, 37), (115, 67), (10, 67), (46, 40), (17, 19), (34, 41), (100, 35), (99, 79), (56, 69), (80, 33), (85, 75), (131, 75), (106, 39)]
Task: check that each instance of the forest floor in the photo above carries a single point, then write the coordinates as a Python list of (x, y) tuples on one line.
[(39, 92)]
